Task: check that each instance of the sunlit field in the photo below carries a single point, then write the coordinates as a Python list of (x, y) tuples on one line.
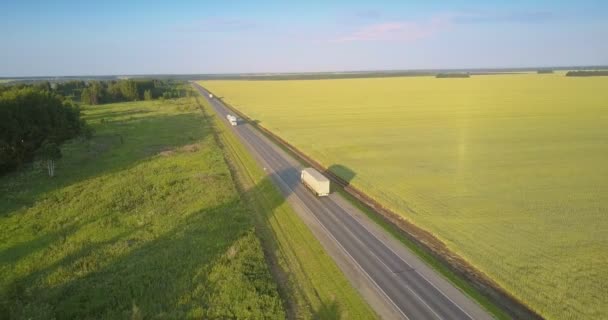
[(510, 171)]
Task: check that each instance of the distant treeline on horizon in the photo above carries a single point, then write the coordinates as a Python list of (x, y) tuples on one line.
[(584, 73), (307, 75), (453, 75)]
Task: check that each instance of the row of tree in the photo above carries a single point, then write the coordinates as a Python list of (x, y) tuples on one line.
[(453, 75), (99, 92), (35, 120), (585, 73)]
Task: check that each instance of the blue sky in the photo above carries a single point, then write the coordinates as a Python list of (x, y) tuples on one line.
[(41, 38)]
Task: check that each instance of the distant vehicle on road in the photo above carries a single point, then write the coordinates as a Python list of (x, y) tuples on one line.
[(315, 181), (232, 119), (210, 96)]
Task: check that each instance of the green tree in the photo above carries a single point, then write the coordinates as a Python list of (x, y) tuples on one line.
[(114, 92), (85, 96), (128, 88), (28, 117), (147, 95), (92, 94)]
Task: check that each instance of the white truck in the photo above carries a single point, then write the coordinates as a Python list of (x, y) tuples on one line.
[(315, 181), (210, 96), (232, 119)]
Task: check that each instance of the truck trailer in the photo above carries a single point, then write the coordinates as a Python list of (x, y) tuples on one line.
[(315, 181)]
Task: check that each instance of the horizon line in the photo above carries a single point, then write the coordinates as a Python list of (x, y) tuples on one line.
[(361, 71)]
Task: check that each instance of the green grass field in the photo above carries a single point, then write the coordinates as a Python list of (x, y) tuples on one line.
[(510, 171), (142, 221)]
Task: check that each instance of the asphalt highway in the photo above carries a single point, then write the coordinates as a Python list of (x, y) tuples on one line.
[(399, 278)]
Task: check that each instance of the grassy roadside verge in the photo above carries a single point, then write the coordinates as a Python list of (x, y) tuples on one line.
[(310, 281)]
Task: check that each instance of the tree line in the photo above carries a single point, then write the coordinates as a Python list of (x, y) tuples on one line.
[(585, 73), (100, 92), (34, 120), (96, 92), (453, 75)]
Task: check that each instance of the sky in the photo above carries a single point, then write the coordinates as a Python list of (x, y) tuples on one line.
[(58, 38)]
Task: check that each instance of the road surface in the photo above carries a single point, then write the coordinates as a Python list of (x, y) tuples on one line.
[(399, 284)]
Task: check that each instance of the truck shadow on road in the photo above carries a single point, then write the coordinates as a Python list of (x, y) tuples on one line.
[(290, 177)]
